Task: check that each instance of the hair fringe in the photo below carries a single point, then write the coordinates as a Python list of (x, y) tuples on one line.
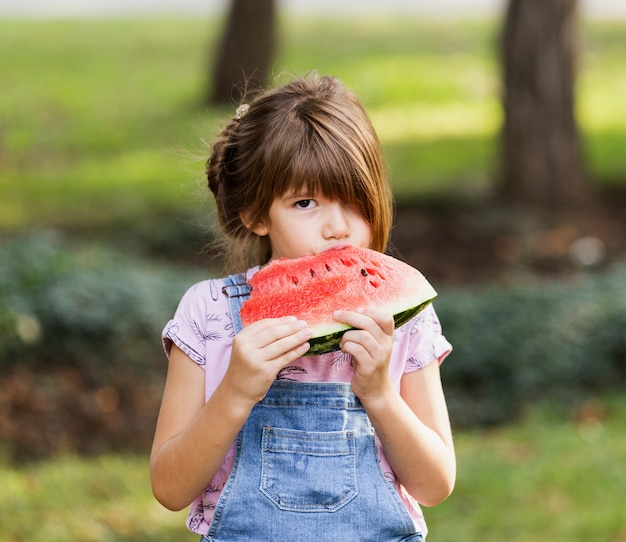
[(247, 166)]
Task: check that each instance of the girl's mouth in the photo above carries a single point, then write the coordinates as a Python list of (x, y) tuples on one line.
[(337, 246)]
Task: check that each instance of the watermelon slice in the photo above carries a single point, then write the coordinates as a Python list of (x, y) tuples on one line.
[(313, 287)]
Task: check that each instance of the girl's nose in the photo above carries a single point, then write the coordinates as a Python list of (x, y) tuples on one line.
[(336, 224)]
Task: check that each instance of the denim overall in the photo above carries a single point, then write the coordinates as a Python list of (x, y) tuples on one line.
[(306, 468)]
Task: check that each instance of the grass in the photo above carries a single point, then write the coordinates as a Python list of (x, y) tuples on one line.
[(98, 499), (545, 479), (93, 121), (548, 478), (101, 121)]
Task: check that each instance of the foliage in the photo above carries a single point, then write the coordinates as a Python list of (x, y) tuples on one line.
[(80, 356), (84, 307), (97, 311), (532, 341), (513, 484)]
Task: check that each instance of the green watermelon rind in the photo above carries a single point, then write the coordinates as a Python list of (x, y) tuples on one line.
[(329, 342)]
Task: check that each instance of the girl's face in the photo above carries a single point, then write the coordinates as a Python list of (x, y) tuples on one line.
[(303, 224)]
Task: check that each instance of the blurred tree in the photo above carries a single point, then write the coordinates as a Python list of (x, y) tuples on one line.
[(542, 163), (245, 53)]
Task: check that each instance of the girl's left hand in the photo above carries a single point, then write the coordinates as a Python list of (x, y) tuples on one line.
[(370, 346)]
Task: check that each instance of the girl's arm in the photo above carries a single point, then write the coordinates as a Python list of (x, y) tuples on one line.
[(192, 437), (414, 429), (413, 424)]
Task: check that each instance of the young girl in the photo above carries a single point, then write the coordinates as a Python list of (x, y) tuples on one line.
[(266, 444)]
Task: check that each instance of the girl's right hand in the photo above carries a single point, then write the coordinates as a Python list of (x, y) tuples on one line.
[(260, 351)]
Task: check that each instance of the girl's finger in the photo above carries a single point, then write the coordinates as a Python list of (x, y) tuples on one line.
[(288, 348), (266, 332), (368, 319)]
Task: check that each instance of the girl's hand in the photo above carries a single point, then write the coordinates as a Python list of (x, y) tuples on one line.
[(370, 346), (260, 351), (193, 436)]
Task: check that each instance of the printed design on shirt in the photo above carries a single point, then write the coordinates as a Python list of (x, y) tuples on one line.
[(419, 362), (195, 521), (400, 331), (434, 322), (423, 358), (339, 359), (284, 374), (391, 477), (196, 518), (214, 290), (210, 496), (416, 324), (230, 327), (207, 334), (407, 327)]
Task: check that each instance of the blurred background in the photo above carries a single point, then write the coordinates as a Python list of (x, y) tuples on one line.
[(504, 126)]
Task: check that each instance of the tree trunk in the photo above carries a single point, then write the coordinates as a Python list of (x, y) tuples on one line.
[(542, 164), (245, 54)]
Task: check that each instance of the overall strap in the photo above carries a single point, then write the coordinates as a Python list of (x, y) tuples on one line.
[(237, 291)]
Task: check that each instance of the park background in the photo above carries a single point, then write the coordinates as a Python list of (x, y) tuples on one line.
[(104, 119)]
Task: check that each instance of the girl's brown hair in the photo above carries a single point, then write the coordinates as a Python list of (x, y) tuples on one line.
[(310, 133)]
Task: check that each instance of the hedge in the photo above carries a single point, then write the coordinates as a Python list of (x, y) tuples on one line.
[(537, 341), (86, 307), (98, 310)]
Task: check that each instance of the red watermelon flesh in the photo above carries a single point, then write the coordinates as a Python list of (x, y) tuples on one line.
[(313, 287)]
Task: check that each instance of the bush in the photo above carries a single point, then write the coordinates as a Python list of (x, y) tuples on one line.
[(80, 354), (96, 310), (83, 307), (536, 341), (83, 368)]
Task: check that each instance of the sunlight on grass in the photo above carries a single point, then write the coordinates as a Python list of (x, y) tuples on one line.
[(423, 123), (599, 115), (552, 477), (545, 479), (100, 499), (88, 123)]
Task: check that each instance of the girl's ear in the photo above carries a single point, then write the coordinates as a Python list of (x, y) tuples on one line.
[(260, 228)]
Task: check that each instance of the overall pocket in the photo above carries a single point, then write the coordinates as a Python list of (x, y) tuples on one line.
[(303, 471)]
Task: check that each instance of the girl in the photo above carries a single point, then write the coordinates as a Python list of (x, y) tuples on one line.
[(264, 443)]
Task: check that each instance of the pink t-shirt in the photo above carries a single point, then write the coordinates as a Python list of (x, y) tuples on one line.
[(203, 329)]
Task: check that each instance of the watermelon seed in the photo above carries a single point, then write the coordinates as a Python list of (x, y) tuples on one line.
[(327, 267), (364, 272), (294, 280), (374, 283), (312, 273)]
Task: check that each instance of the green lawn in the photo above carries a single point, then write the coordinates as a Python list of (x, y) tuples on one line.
[(101, 121), (549, 478)]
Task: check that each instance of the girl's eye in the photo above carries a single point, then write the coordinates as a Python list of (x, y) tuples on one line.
[(305, 203)]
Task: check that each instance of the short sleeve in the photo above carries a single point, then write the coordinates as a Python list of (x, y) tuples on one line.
[(426, 342), (201, 318)]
